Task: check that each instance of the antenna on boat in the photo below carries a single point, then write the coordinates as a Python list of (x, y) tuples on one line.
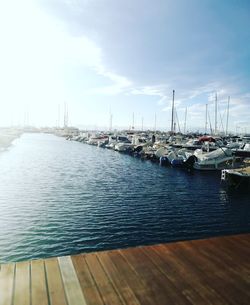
[(133, 121), (227, 114), (172, 120)]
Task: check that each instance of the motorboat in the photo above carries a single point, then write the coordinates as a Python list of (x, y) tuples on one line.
[(221, 158)]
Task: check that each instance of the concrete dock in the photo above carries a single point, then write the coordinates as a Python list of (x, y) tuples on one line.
[(210, 271)]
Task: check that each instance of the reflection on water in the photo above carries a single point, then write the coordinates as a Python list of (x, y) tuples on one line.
[(59, 197)]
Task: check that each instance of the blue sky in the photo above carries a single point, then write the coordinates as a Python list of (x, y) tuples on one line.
[(124, 57)]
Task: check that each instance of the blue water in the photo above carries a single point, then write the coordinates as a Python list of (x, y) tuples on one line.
[(59, 197)]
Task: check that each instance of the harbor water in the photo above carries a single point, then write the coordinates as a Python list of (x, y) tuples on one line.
[(61, 197)]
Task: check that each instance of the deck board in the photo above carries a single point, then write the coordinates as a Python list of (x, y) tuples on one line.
[(54, 281), (163, 291), (171, 273), (117, 279), (228, 285), (210, 271), (39, 294), (88, 285), (7, 274), (22, 284), (189, 273), (71, 283), (106, 288), (135, 283)]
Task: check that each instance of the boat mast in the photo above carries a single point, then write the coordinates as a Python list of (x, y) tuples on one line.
[(222, 124), (172, 120), (211, 129), (155, 123), (215, 120), (227, 114), (142, 123), (185, 123), (110, 121), (176, 116), (206, 120), (66, 115), (58, 118)]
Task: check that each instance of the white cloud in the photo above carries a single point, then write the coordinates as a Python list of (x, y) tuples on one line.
[(120, 83)]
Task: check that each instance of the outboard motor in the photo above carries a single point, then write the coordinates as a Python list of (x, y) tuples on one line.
[(177, 162), (164, 161), (138, 151), (189, 163)]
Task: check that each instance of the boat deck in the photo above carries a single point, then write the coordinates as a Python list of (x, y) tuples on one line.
[(245, 171), (210, 271)]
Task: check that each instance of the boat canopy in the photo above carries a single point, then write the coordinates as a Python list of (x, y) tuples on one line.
[(207, 139)]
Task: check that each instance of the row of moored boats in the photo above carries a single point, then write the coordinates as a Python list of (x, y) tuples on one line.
[(199, 152)]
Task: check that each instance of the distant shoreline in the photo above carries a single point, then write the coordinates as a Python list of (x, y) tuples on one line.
[(7, 137)]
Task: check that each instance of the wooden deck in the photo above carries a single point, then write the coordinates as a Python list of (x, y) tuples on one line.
[(212, 271)]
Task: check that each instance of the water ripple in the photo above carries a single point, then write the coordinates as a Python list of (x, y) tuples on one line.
[(59, 197)]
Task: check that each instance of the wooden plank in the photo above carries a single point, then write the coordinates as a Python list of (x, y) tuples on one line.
[(211, 271), (223, 274), (117, 279), (39, 294), (6, 283), (22, 284), (225, 284), (177, 278), (229, 249), (221, 257), (71, 283), (86, 280), (138, 285), (214, 261), (107, 290), (55, 284), (242, 240), (234, 249), (163, 290), (189, 273)]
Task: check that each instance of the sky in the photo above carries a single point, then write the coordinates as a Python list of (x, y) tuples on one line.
[(102, 57)]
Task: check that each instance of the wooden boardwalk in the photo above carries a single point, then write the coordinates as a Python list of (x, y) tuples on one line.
[(212, 271)]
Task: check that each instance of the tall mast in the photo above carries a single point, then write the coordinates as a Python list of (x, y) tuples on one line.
[(133, 121), (176, 116), (206, 120), (58, 123), (172, 120), (110, 121), (211, 129), (155, 123), (66, 115), (142, 123), (227, 114), (215, 119), (185, 123)]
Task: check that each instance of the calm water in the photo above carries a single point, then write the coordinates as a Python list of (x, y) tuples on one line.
[(59, 197)]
